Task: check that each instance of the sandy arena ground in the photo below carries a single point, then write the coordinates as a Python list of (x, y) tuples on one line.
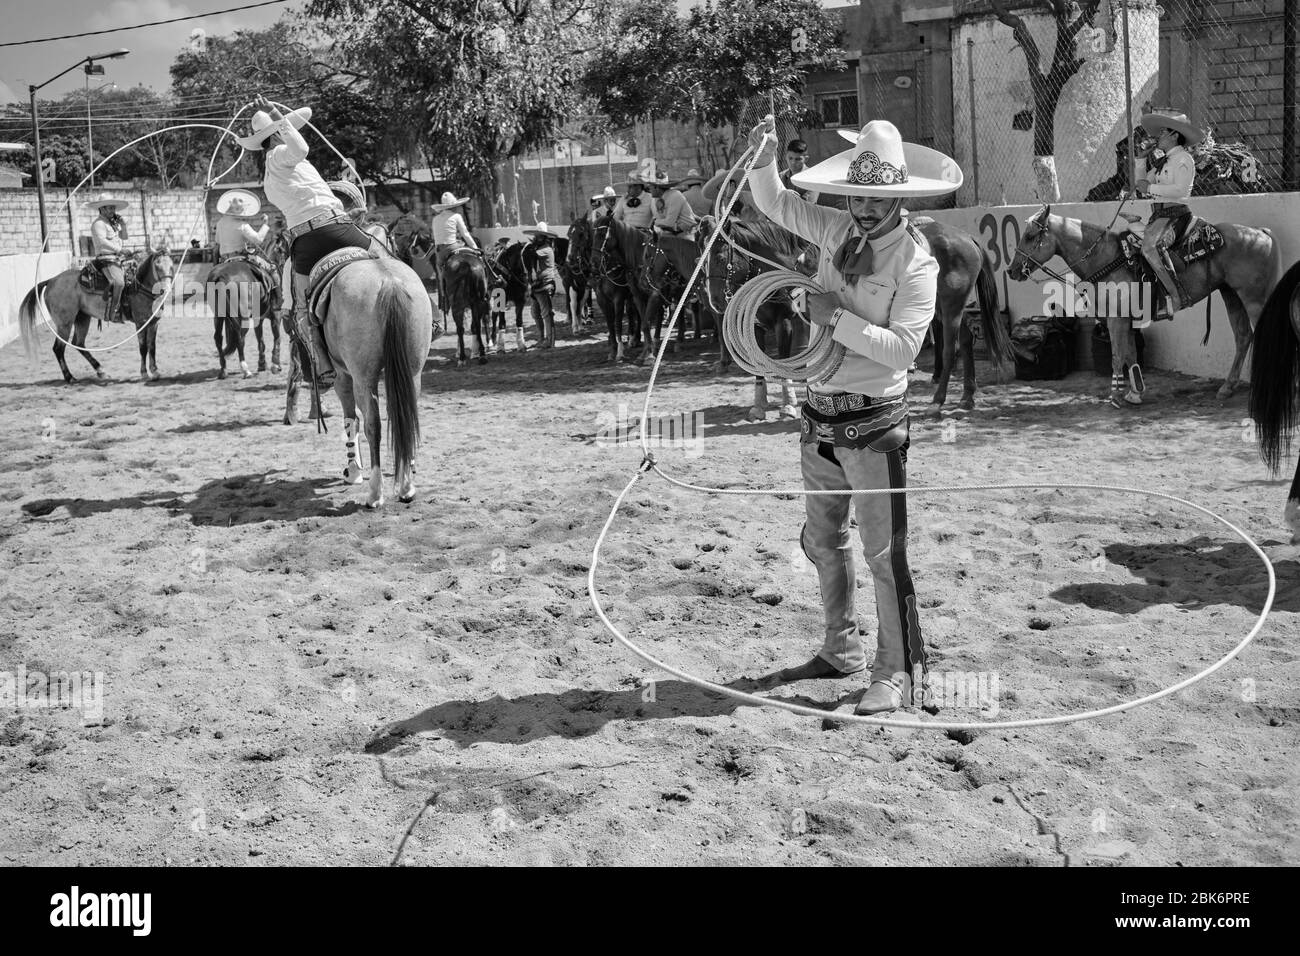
[(291, 679)]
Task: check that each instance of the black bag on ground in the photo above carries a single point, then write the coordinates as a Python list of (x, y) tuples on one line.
[(1101, 349), (1043, 347)]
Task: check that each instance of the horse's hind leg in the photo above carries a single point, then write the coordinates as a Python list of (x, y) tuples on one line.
[(218, 328), (352, 432), (153, 351), (275, 341), (968, 366), (371, 404), (261, 344), (61, 347), (1241, 334), (79, 342), (142, 340), (946, 360)]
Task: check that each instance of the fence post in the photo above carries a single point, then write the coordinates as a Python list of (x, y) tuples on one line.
[(974, 147)]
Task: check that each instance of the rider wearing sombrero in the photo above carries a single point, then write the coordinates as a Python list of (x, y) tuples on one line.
[(881, 283), (673, 215), (450, 233), (317, 222), (1172, 177), (635, 209), (107, 235)]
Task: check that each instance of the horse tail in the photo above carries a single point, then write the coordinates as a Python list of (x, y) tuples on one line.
[(1274, 367), (394, 311), (27, 311), (986, 287)]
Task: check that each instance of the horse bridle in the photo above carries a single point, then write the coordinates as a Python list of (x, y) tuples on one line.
[(1043, 232), (599, 256)]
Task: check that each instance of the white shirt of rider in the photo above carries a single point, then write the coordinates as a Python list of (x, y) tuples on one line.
[(106, 238), (293, 184)]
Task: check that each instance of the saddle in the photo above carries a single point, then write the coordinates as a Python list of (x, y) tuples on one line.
[(323, 274), (1194, 240), (262, 268), (93, 281)]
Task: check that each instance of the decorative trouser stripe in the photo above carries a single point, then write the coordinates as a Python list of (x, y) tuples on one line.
[(913, 643)]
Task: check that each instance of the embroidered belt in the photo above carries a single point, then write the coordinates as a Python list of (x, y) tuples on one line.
[(840, 402), (315, 222), (882, 426)]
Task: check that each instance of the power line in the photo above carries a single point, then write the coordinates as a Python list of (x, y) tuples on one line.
[(138, 26)]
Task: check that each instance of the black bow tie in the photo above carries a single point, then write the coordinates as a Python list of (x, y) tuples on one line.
[(850, 260)]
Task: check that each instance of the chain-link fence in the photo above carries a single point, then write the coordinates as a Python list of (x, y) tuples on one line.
[(1045, 93)]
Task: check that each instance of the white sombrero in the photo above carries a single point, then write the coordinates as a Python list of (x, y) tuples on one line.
[(541, 229), (881, 164), (449, 201), (105, 200), (714, 185), (261, 126), (691, 178), (238, 202), (1157, 120)]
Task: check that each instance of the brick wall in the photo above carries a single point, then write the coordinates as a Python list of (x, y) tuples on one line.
[(156, 215)]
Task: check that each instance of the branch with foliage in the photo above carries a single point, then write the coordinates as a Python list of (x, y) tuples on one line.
[(706, 66)]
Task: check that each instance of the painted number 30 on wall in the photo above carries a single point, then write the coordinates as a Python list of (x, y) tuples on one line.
[(1001, 241)]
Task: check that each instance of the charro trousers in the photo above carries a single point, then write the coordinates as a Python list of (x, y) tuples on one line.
[(882, 528)]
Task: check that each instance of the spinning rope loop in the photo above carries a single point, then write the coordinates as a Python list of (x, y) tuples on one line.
[(211, 181), (649, 464)]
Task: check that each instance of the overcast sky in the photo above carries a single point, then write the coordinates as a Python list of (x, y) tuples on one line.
[(152, 49)]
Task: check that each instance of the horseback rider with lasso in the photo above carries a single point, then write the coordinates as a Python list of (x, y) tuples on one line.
[(881, 283), (108, 241), (316, 220), (1172, 175)]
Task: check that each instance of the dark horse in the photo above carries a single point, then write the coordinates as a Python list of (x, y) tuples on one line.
[(1274, 380), (70, 309), (619, 256), (668, 267), (575, 268), (239, 300), (511, 277), (963, 266), (466, 281), (614, 296)]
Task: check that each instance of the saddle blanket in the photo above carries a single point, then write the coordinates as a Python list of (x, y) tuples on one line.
[(326, 271)]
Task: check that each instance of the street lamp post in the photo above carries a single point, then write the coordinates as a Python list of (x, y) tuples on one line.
[(36, 129), (96, 70)]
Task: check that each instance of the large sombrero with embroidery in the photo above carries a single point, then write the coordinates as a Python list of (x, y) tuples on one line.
[(881, 164), (1155, 121), (238, 202)]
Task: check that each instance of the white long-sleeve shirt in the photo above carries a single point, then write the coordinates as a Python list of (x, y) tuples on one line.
[(448, 228), (105, 237), (639, 216), (293, 184), (1173, 182), (886, 313), (235, 235), (674, 213)]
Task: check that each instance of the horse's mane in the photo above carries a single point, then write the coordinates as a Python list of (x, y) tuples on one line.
[(766, 237)]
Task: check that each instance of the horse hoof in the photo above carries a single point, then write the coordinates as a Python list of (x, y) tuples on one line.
[(261, 366), (1133, 398), (482, 360), (101, 374), (275, 368), (154, 376), (221, 374), (1224, 393), (967, 404), (144, 376), (406, 498), (789, 411), (376, 504), (756, 414), (353, 475), (290, 421)]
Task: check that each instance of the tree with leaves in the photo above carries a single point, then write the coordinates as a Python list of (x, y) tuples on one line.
[(706, 67), (1047, 83), (472, 82)]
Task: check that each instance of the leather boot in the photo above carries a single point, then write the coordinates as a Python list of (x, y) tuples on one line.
[(312, 335)]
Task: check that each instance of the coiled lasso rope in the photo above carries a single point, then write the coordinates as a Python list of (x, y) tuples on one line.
[(816, 363), (649, 464)]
